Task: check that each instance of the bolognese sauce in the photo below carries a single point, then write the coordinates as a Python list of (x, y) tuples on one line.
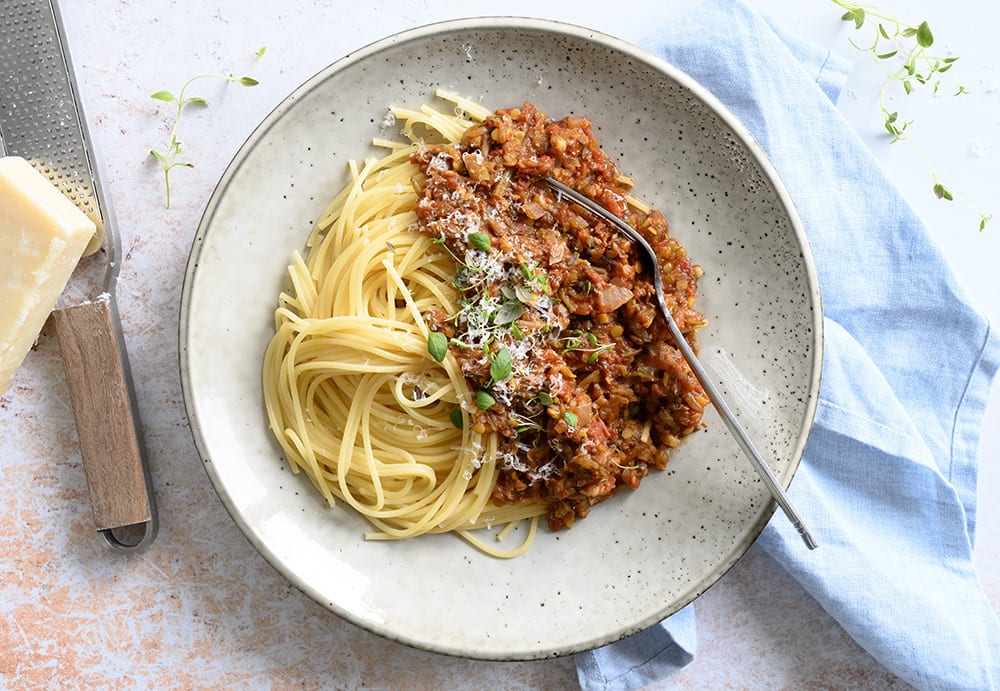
[(557, 330)]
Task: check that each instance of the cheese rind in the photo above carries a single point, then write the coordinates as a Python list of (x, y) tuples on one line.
[(42, 236)]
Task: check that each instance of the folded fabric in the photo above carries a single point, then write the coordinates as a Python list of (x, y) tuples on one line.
[(888, 479)]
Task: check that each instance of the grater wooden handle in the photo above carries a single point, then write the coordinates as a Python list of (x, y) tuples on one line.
[(103, 404)]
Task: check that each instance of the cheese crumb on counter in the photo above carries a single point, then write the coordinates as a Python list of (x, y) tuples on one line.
[(42, 236)]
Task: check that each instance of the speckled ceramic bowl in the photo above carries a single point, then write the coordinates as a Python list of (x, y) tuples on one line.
[(638, 557)]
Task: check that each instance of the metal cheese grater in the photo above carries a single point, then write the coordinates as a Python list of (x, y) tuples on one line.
[(41, 120)]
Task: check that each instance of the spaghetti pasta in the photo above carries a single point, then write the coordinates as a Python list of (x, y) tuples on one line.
[(352, 395)]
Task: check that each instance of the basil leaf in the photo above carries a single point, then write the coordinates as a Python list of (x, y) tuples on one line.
[(545, 398), (456, 418), (570, 417), (484, 401)]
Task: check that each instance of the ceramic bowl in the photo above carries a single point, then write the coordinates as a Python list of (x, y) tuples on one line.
[(638, 557)]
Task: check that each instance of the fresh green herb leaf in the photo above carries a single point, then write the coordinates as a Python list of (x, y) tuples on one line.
[(437, 345), (167, 160), (508, 313), (924, 36), (484, 401), (456, 418), (570, 417), (515, 332), (901, 50), (522, 294), (545, 398), (481, 241), (942, 192), (500, 368)]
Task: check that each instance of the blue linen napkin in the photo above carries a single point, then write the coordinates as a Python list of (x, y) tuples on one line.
[(888, 479)]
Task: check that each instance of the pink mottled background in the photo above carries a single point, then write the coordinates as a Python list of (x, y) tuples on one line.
[(201, 608)]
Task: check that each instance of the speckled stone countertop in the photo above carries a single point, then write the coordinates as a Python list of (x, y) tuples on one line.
[(201, 608)]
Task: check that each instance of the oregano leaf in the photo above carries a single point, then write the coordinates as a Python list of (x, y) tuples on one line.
[(437, 345), (508, 312), (500, 368), (481, 241), (484, 401)]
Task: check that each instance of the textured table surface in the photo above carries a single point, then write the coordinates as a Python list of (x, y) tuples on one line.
[(201, 608)]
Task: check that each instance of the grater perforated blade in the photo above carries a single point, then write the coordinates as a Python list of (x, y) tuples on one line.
[(42, 120), (39, 118)]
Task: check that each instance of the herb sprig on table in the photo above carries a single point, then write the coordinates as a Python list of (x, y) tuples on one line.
[(168, 158), (902, 52)]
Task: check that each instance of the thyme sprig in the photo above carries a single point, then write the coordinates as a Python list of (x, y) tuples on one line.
[(168, 159), (901, 51), (585, 342)]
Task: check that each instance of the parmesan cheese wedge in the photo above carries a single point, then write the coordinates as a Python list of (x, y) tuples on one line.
[(42, 236)]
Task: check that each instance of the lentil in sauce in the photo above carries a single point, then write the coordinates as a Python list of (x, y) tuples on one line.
[(557, 329)]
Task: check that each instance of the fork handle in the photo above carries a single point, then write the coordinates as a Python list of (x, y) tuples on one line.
[(742, 438)]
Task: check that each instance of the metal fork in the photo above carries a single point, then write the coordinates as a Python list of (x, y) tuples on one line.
[(762, 468)]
